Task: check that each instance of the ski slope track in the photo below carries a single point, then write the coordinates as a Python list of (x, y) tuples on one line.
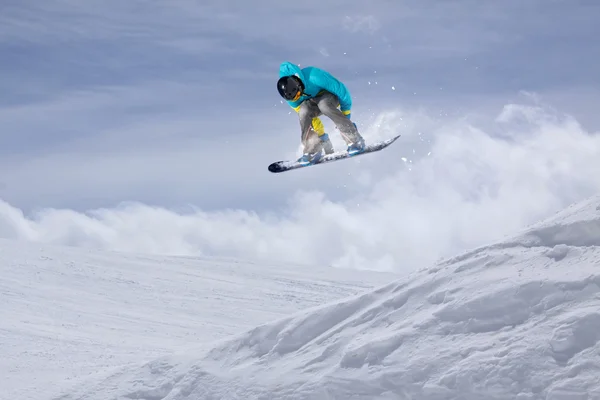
[(519, 319), (68, 313)]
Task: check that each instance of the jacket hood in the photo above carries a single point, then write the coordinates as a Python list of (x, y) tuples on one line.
[(288, 69)]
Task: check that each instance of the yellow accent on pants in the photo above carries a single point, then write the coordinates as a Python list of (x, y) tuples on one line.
[(317, 124)]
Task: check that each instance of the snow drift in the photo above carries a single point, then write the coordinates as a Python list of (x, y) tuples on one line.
[(519, 319)]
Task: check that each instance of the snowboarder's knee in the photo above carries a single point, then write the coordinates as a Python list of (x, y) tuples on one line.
[(328, 106)]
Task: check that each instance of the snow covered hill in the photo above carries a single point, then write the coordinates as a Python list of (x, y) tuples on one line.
[(67, 313), (518, 319)]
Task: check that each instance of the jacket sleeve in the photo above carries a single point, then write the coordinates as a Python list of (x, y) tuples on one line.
[(328, 82)]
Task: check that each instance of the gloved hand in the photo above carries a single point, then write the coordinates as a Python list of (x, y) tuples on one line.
[(347, 113)]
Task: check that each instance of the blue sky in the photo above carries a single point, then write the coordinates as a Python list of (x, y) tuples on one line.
[(173, 105)]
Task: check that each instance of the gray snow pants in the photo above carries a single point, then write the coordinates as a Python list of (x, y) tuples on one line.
[(324, 104)]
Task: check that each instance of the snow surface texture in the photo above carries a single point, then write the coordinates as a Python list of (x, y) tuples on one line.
[(66, 313), (518, 319)]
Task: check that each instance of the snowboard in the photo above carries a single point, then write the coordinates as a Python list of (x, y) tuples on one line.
[(283, 166)]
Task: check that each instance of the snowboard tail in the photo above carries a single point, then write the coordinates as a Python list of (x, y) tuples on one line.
[(283, 166)]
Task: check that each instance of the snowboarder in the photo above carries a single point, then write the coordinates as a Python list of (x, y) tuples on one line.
[(312, 92)]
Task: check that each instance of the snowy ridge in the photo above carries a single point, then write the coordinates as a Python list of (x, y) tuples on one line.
[(514, 320), (578, 225)]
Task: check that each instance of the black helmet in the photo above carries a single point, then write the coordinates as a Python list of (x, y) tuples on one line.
[(289, 87)]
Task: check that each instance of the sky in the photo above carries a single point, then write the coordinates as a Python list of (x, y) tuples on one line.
[(148, 126)]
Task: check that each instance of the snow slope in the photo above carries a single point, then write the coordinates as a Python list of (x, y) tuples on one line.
[(66, 313), (519, 319)]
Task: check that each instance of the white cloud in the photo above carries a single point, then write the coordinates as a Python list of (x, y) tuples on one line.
[(503, 173), (110, 101)]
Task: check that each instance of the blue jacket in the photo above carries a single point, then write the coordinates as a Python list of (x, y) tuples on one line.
[(315, 81)]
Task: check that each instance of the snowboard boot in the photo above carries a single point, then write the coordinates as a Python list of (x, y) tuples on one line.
[(356, 147), (354, 141), (313, 154), (311, 158)]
